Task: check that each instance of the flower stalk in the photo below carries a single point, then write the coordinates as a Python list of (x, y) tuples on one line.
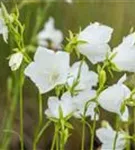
[(83, 133), (93, 133)]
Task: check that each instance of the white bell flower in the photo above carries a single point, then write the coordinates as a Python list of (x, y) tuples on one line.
[(80, 102), (3, 27), (112, 98), (124, 58), (15, 61), (50, 35), (97, 37), (87, 78), (48, 69), (107, 135), (54, 105)]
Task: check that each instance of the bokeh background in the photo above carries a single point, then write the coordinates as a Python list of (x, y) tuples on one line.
[(119, 14)]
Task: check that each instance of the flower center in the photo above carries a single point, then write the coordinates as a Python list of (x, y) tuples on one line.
[(53, 77)]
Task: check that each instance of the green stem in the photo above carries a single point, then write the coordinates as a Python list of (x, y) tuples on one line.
[(40, 109), (40, 134), (61, 142), (134, 122), (128, 140), (55, 138), (7, 124), (57, 142), (117, 130), (93, 133), (83, 133), (21, 110), (115, 140), (40, 120)]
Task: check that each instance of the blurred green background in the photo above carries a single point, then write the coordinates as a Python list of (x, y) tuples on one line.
[(119, 14)]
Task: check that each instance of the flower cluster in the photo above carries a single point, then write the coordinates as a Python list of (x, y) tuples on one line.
[(79, 90), (84, 89)]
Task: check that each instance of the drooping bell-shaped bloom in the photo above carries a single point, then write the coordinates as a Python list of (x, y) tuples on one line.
[(15, 61), (112, 98), (48, 69), (125, 54), (87, 79), (107, 135), (80, 101), (3, 27), (50, 36), (96, 37), (65, 103)]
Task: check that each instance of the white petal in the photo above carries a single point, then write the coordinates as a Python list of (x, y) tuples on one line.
[(125, 54), (97, 37), (129, 40), (53, 104), (15, 61), (96, 33), (122, 79), (67, 104), (38, 77), (87, 79), (49, 69), (80, 102), (3, 30), (44, 55), (107, 135), (94, 52), (111, 98), (50, 33)]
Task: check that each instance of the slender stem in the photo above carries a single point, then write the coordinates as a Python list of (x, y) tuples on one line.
[(117, 130), (8, 123), (62, 144), (40, 109), (40, 120), (93, 133), (21, 110), (55, 140), (40, 134), (128, 139), (134, 122), (115, 140), (83, 133)]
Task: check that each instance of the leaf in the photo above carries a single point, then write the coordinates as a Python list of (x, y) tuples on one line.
[(122, 109), (60, 112), (69, 125), (102, 78)]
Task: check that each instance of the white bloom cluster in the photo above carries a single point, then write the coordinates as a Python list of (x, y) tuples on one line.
[(79, 90), (81, 96)]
